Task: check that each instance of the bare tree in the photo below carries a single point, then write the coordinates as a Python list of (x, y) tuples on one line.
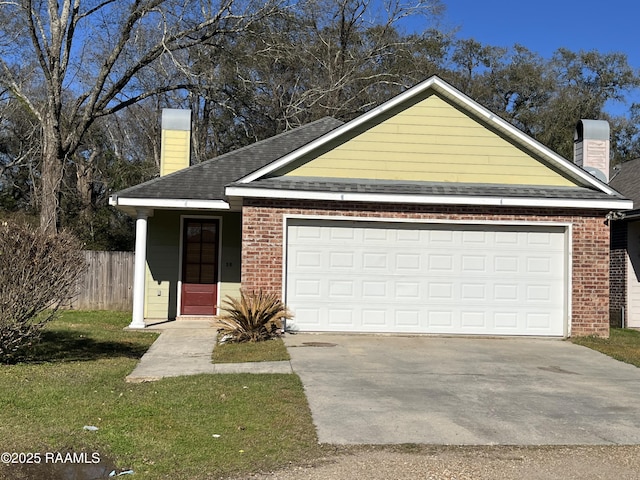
[(79, 60), (19, 145), (316, 58)]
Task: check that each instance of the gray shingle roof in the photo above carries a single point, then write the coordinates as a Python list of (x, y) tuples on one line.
[(625, 178), (425, 188), (206, 180)]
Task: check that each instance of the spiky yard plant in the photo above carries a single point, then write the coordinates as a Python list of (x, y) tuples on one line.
[(254, 317)]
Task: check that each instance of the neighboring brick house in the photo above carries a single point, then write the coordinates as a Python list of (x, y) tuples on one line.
[(625, 249), (428, 214)]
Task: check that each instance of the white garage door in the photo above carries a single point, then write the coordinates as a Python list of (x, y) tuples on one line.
[(352, 276)]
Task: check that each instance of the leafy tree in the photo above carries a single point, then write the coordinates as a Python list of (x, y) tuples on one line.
[(546, 98), (586, 81), (625, 136)]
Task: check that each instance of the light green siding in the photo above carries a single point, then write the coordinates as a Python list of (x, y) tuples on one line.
[(433, 141), (161, 285), (163, 259)]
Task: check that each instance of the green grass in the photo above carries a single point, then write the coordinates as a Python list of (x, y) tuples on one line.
[(622, 344), (160, 430), (267, 351)]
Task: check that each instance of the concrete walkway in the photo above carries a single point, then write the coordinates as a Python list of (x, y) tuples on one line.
[(184, 348)]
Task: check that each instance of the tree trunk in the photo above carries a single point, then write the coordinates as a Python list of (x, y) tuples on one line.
[(51, 178)]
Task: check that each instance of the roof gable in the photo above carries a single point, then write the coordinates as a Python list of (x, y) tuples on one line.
[(430, 140), (536, 164)]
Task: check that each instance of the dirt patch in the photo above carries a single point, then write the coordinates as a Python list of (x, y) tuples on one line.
[(408, 462)]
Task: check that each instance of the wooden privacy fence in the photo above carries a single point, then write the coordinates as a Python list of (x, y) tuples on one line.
[(107, 283)]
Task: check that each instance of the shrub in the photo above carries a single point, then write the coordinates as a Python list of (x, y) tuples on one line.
[(38, 275), (254, 317)]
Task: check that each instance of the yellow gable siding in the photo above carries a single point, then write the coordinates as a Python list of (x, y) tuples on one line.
[(176, 146), (431, 141)]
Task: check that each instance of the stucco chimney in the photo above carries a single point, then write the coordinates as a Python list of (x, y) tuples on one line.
[(175, 151), (591, 148)]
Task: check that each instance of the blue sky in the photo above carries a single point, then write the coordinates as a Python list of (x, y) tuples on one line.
[(543, 26), (546, 25)]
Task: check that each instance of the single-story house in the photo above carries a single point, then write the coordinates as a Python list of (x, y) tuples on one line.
[(428, 214), (625, 248)]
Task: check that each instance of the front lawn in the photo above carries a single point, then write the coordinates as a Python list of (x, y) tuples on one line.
[(622, 344), (192, 427)]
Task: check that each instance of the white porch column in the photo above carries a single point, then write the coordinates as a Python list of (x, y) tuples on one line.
[(139, 272)]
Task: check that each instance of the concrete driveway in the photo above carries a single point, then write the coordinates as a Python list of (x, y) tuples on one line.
[(462, 391)]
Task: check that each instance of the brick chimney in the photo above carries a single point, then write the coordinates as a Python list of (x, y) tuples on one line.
[(175, 153), (591, 148)]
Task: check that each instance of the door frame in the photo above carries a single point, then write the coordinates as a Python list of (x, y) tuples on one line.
[(218, 284)]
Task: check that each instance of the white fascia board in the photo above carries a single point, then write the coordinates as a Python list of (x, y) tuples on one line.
[(248, 192), (612, 204), (458, 97), (170, 203)]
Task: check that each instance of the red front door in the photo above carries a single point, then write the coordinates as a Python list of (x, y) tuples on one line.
[(199, 267)]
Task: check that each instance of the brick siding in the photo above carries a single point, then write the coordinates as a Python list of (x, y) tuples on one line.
[(262, 249), (618, 273)]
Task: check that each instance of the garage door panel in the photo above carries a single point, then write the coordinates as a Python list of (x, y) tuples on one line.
[(308, 259), (311, 316), (541, 321), (342, 234), (340, 316), (342, 260), (505, 265), (310, 232), (408, 278), (438, 262), (473, 320), (405, 317), (374, 289), (375, 262), (439, 237), (506, 239), (505, 321), (376, 237), (474, 263), (374, 319), (411, 236), (407, 262), (473, 292)]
